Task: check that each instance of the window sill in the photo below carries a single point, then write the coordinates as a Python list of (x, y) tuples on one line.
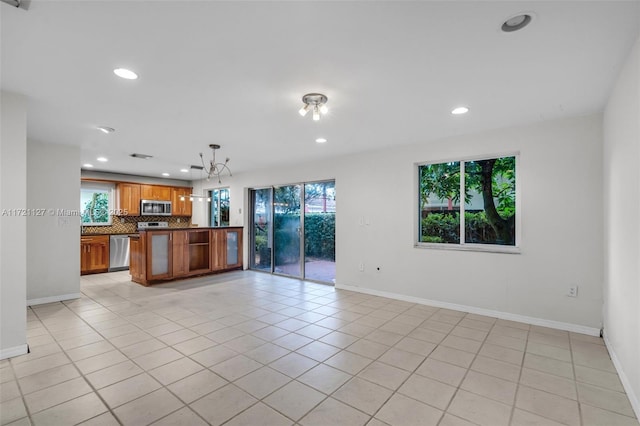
[(482, 248)]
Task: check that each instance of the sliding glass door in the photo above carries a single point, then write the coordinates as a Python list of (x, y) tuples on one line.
[(286, 230), (320, 231), (261, 232), (293, 230)]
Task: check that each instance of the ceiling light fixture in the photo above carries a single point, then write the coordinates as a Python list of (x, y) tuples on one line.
[(215, 169), (460, 110), (516, 22), (321, 140), (87, 165), (184, 170), (316, 102), (165, 174), (105, 129), (125, 73), (102, 159)]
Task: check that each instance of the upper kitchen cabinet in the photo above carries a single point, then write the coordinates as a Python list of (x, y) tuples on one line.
[(129, 199), (180, 201), (155, 192)]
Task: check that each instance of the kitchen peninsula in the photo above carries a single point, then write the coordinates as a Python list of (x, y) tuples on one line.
[(166, 254)]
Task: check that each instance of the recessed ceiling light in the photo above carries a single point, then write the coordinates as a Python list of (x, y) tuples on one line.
[(105, 129), (102, 159), (184, 170), (165, 174), (516, 22), (321, 140), (87, 165), (125, 73), (460, 110)]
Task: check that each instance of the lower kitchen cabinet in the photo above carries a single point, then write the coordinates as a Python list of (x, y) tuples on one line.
[(164, 255), (94, 254), (228, 248)]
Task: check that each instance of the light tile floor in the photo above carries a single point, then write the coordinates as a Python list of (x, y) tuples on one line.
[(246, 348)]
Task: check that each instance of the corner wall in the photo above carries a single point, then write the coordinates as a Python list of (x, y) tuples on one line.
[(13, 227), (560, 173), (622, 226), (53, 239)]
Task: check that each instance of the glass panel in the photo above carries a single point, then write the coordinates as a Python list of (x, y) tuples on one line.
[(261, 235), (320, 231), (219, 214), (490, 201), (440, 203), (159, 254), (213, 214), (224, 207), (232, 247), (95, 204), (286, 230)]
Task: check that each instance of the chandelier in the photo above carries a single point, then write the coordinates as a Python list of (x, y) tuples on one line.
[(215, 170), (316, 102)]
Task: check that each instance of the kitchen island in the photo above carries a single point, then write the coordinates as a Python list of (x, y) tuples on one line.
[(166, 254)]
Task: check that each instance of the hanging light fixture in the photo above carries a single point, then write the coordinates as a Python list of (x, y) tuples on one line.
[(215, 170), (316, 102)]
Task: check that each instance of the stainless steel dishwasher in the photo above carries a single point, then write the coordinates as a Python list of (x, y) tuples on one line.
[(118, 253)]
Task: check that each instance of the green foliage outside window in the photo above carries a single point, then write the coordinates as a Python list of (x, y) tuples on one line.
[(96, 209), (489, 203)]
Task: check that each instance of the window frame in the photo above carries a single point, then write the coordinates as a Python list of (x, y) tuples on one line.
[(462, 245), (109, 189), (211, 192)]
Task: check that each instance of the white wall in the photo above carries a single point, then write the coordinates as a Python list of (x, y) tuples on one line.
[(561, 180), (621, 225), (13, 229), (53, 239)]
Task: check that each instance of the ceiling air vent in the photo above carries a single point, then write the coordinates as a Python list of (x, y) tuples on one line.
[(196, 167), (143, 156)]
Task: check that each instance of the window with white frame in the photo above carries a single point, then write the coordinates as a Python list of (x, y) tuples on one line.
[(470, 203), (219, 213), (96, 203)]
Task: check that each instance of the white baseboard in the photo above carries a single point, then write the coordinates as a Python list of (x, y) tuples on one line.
[(51, 299), (14, 351), (592, 331), (633, 398)]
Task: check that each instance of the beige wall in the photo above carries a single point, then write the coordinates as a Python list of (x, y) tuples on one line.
[(53, 239), (13, 229), (622, 226)]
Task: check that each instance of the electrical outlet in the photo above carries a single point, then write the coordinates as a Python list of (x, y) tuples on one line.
[(573, 291), (361, 267)]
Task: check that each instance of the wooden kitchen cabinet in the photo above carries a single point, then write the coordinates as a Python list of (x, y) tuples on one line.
[(227, 253), (129, 199), (159, 255), (165, 255), (180, 202), (155, 192), (180, 254), (94, 254)]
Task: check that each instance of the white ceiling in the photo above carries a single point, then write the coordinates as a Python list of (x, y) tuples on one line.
[(233, 73)]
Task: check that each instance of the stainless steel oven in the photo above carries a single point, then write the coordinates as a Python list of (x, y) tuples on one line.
[(155, 208)]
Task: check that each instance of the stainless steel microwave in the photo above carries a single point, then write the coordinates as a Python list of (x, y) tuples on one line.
[(155, 208)]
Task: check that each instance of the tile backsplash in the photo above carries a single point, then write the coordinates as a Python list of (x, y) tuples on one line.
[(129, 224)]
